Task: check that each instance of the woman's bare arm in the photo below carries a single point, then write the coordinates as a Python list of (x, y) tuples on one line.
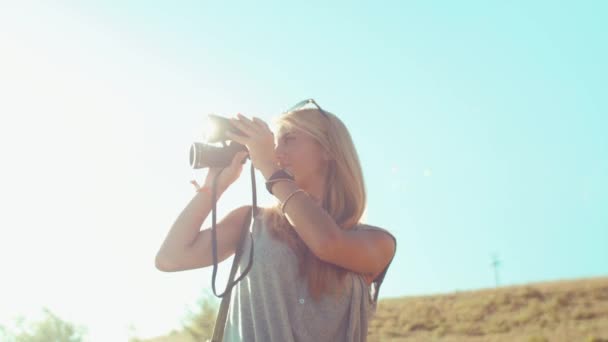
[(187, 247)]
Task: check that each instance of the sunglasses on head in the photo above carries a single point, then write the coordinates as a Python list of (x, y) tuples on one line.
[(304, 103)]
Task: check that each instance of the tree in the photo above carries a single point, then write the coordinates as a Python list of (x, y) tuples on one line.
[(199, 324), (50, 329), (5, 335)]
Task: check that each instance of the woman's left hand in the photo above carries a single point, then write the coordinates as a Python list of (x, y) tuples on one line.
[(259, 140)]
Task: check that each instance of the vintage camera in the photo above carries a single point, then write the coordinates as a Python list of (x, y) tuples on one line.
[(205, 154)]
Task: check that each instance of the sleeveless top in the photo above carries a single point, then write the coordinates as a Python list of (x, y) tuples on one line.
[(271, 303)]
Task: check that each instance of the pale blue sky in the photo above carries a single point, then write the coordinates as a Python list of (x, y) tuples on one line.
[(480, 127)]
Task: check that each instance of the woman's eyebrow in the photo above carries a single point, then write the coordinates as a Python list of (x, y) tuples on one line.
[(287, 134)]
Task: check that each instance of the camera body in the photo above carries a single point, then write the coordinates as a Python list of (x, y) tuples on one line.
[(204, 155)]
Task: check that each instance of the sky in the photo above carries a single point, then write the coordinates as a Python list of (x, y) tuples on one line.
[(481, 129)]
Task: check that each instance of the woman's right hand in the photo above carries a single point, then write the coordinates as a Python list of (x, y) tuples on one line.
[(229, 175)]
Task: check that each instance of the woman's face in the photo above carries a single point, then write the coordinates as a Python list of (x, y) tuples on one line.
[(301, 155)]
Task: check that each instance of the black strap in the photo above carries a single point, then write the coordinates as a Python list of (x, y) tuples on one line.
[(220, 321), (245, 229)]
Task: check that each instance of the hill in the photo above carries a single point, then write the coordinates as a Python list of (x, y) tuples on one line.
[(560, 311), (572, 310)]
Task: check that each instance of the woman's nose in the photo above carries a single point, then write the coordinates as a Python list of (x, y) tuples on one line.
[(279, 152)]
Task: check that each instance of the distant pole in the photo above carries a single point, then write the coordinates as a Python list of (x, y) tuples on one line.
[(495, 264)]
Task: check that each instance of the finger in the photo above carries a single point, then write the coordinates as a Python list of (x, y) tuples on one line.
[(240, 155), (238, 159), (242, 125), (260, 122), (237, 137), (243, 154), (256, 125)]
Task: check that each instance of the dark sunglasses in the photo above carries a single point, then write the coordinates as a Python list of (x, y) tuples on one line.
[(303, 104)]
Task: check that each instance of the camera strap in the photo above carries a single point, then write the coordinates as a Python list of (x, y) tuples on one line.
[(245, 229), (220, 321)]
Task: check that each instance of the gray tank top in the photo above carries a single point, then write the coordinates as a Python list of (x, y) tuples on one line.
[(272, 302)]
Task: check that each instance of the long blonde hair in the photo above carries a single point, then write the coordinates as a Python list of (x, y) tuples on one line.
[(344, 197)]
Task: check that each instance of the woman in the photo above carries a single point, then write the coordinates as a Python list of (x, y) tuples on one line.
[(315, 264)]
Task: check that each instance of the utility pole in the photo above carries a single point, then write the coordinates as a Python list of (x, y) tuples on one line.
[(495, 264)]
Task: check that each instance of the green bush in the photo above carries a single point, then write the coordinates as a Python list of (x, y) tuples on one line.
[(199, 324), (50, 328)]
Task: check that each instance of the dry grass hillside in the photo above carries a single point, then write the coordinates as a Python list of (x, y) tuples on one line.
[(574, 310), (568, 311)]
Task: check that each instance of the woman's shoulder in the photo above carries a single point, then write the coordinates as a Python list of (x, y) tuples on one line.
[(366, 226), (373, 227)]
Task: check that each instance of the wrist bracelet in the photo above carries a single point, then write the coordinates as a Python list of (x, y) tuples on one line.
[(205, 189), (278, 175), (288, 198), (270, 183)]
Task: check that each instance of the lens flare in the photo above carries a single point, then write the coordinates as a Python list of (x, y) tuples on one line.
[(210, 129)]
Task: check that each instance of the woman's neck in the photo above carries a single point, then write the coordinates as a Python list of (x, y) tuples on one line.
[(314, 189)]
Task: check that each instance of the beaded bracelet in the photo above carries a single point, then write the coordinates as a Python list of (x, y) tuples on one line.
[(288, 198), (199, 188)]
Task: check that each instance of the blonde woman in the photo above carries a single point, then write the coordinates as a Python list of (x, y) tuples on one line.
[(317, 269)]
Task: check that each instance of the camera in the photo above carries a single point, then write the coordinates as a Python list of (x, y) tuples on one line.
[(204, 154)]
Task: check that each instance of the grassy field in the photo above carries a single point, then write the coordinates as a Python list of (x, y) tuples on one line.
[(563, 311), (575, 310)]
